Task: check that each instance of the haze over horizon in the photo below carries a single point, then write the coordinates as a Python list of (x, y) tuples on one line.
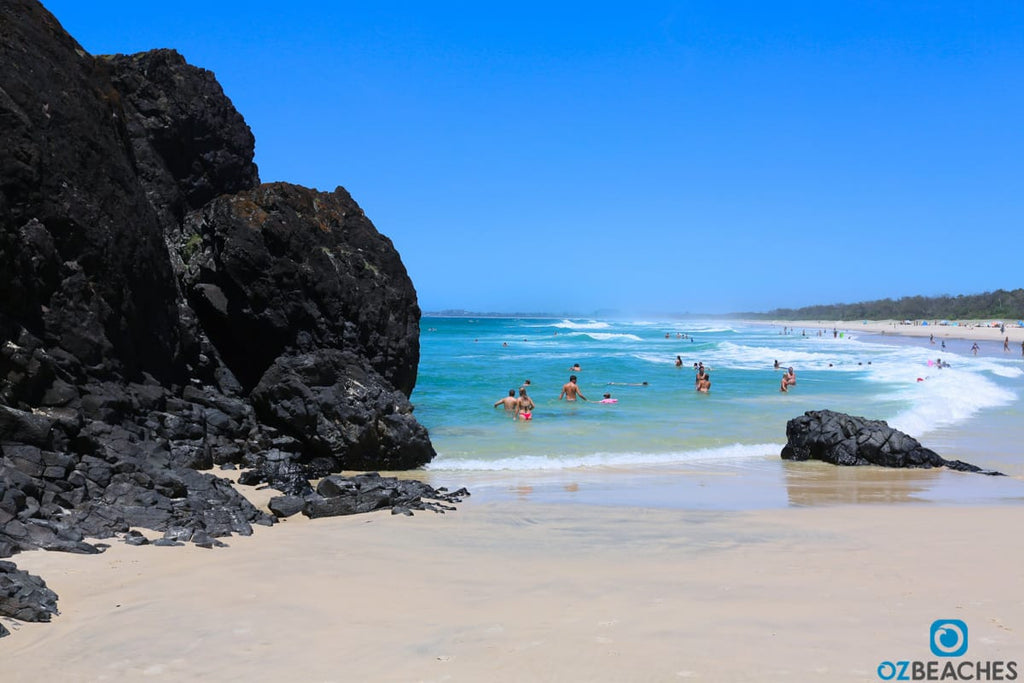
[(678, 156)]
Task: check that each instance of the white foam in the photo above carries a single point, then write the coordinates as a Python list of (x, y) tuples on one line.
[(608, 336), (589, 325), (546, 463), (947, 396)]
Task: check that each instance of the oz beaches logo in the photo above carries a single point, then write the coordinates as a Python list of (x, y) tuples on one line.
[(947, 638)]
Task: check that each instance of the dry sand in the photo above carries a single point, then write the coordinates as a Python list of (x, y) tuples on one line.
[(520, 591), (970, 330)]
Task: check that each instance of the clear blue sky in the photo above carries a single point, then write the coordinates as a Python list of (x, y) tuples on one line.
[(641, 156)]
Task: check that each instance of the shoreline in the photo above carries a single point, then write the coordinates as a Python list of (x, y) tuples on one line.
[(602, 574), (517, 591), (966, 330)]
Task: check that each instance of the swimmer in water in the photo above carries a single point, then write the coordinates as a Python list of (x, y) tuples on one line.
[(509, 402), (570, 391), (524, 406)]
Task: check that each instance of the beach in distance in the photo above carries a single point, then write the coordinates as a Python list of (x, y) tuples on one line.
[(659, 538)]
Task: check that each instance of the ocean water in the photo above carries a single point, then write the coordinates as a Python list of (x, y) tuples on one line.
[(664, 435)]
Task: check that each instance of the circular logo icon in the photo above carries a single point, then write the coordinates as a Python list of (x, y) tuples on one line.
[(948, 638)]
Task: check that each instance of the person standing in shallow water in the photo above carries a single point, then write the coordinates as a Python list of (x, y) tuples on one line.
[(704, 383), (509, 402), (788, 379), (524, 407), (570, 391)]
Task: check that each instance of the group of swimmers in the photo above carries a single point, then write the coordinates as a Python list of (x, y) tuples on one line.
[(521, 407)]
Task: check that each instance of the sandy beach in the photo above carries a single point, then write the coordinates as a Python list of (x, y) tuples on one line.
[(830, 573), (521, 591), (968, 330)]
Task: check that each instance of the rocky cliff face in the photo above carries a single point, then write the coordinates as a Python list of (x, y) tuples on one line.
[(163, 312)]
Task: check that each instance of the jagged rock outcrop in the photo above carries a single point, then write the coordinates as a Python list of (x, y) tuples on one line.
[(162, 312), (843, 439), (309, 306), (364, 493), (24, 596)]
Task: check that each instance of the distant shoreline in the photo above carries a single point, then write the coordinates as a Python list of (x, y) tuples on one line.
[(967, 330)]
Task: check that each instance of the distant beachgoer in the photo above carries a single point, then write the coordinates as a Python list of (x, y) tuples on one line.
[(608, 399), (510, 402), (628, 384), (1006, 344), (704, 385), (943, 343), (679, 362), (575, 367), (777, 366), (700, 375), (524, 407), (974, 348), (931, 338), (570, 391), (789, 378)]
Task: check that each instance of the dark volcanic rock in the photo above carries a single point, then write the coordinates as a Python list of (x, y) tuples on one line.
[(283, 269), (336, 496), (846, 440), (163, 312), (24, 596), (189, 143)]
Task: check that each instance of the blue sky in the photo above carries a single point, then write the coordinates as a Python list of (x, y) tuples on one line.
[(646, 157)]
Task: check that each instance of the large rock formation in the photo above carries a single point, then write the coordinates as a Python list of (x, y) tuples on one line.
[(843, 439), (162, 312)]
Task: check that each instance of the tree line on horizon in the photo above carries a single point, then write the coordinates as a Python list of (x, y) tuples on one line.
[(998, 305)]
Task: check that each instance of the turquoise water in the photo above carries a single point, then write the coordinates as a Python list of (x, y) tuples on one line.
[(666, 427)]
